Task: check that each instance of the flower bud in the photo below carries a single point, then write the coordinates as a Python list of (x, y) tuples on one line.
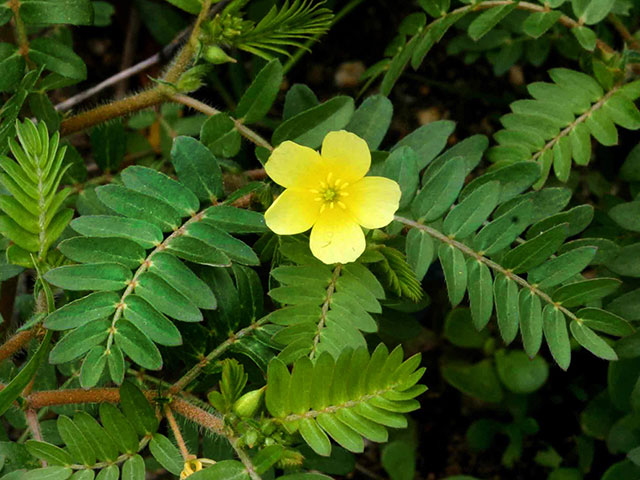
[(249, 404), (214, 54)]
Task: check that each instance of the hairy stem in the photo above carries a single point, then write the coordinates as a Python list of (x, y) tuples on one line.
[(21, 30), (143, 99), (208, 110), (581, 119), (432, 232), (142, 269), (16, 343), (177, 434), (325, 308)]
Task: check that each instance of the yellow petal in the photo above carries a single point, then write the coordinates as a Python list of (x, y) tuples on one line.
[(292, 212), (346, 155), (336, 237), (292, 165), (372, 201)]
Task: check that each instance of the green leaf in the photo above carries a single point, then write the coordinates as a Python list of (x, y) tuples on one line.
[(315, 437), (480, 285), (160, 186), (137, 345), (503, 231), (198, 251), (278, 388), (97, 276), (488, 19), (180, 277), (591, 11), (402, 167), (139, 206), (137, 409), (398, 64), (586, 37), (556, 335), (47, 473), (539, 23), (51, 12), (224, 470), (104, 446), (469, 214), (98, 250), (5, 14), (460, 331), (535, 251), (235, 249), (440, 190), (428, 141), (92, 367), (591, 341), (234, 220), (602, 128), (298, 99), (420, 251), (519, 373), (257, 100), (12, 65), (77, 444), (166, 453), (267, 457), (530, 321), (505, 293), (57, 57), (627, 215), (143, 233), (133, 469), (622, 111), (220, 135), (79, 341), (479, 380), (109, 142), (148, 320), (119, 428), (514, 179), (115, 362), (166, 298), (50, 453), (197, 168), (74, 314), (455, 272), (371, 120), (311, 126), (562, 268), (340, 432), (606, 322), (578, 293)]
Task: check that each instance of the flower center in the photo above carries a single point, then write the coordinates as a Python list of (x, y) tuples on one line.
[(331, 192)]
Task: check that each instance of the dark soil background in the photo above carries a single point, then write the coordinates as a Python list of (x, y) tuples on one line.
[(444, 87)]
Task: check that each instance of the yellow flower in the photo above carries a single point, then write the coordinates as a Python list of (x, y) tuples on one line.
[(329, 192)]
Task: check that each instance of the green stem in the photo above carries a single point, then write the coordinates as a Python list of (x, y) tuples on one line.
[(432, 232)]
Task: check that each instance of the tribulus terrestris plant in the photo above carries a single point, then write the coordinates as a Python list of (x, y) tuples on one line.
[(245, 292)]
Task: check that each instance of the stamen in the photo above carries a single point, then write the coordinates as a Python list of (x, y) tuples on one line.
[(331, 205), (318, 199), (337, 183), (342, 205), (314, 190), (323, 184), (344, 194), (329, 177), (322, 207), (346, 184)]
